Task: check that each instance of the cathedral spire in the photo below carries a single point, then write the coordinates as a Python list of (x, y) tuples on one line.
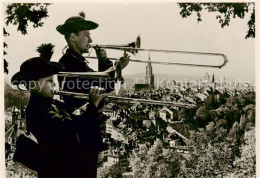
[(149, 78)]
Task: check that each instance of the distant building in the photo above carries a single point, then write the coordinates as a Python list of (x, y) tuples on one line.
[(111, 160), (15, 114), (206, 77), (115, 132), (151, 116), (216, 97), (10, 138), (147, 124), (128, 175), (166, 114), (149, 78), (177, 140), (109, 113), (18, 127), (121, 125), (8, 117), (109, 126), (117, 135), (142, 86)]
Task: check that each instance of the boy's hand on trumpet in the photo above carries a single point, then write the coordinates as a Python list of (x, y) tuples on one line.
[(95, 95)]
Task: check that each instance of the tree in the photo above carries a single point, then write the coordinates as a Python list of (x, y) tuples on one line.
[(155, 161), (246, 164), (21, 14), (225, 12), (211, 154), (5, 46), (114, 171)]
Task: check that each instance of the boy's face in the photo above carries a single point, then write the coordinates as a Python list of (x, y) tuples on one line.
[(45, 86)]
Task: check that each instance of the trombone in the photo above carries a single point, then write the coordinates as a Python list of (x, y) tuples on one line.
[(134, 47), (126, 100)]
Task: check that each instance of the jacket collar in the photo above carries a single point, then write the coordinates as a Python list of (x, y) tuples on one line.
[(40, 99), (75, 54)]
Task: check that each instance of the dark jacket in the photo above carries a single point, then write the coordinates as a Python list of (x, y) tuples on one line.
[(73, 62), (68, 145)]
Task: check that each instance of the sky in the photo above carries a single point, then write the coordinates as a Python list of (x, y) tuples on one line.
[(159, 25)]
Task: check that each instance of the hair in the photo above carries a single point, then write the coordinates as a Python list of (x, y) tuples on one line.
[(67, 35), (26, 84)]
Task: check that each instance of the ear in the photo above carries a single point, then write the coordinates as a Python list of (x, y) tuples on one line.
[(73, 36), (33, 85)]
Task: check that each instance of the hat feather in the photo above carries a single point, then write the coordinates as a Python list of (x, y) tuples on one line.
[(82, 14), (46, 51)]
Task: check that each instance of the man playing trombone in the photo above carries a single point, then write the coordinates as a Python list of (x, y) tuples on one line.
[(76, 31)]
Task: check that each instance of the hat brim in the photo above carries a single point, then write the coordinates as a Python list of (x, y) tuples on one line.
[(48, 69), (75, 26), (17, 77)]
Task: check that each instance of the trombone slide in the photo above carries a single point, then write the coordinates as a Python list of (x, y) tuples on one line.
[(172, 63), (134, 47)]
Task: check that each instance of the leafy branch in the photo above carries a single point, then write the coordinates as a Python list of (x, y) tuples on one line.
[(225, 11)]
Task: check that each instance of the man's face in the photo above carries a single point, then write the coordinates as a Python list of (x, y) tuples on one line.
[(45, 86), (82, 41)]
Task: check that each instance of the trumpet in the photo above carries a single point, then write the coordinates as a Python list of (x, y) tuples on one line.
[(125, 100), (134, 47), (90, 75)]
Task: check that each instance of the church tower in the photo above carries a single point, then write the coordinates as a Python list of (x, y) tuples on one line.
[(149, 78)]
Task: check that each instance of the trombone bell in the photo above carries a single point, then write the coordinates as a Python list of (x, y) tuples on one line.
[(130, 47)]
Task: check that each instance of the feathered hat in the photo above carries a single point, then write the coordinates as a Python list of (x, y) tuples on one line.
[(75, 24), (38, 67)]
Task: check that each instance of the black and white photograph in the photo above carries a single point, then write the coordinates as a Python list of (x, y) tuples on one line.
[(128, 89)]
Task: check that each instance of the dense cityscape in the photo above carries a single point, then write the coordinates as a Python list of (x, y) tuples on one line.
[(215, 138)]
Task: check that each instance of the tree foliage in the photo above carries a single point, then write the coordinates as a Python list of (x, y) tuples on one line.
[(155, 161), (5, 46), (211, 154), (13, 97), (225, 11), (226, 146), (245, 165), (21, 14), (114, 171)]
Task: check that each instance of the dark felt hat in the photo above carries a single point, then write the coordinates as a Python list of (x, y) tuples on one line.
[(37, 67), (75, 24)]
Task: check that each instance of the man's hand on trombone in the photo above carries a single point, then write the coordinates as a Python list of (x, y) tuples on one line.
[(100, 52), (124, 60), (120, 64), (101, 55)]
